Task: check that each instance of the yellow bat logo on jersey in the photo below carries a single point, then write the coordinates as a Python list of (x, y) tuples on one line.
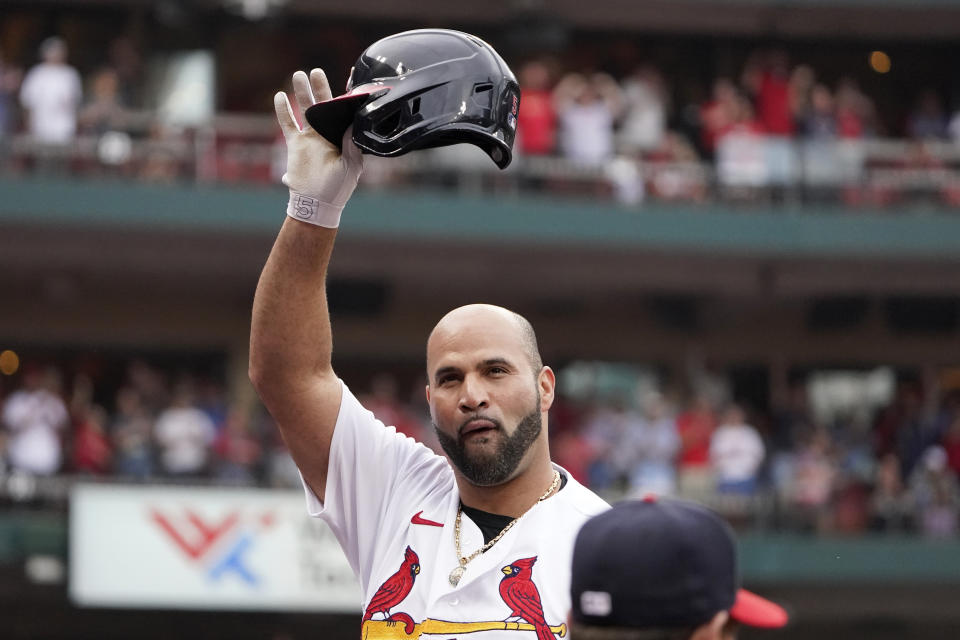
[(397, 630)]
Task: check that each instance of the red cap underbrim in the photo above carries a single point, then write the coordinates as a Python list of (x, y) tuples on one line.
[(754, 611), (332, 117)]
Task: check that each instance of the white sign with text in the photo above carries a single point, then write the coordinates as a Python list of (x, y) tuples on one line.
[(204, 548)]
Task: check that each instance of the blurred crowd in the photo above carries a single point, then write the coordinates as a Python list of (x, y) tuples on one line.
[(90, 123), (775, 125), (893, 471), (158, 426)]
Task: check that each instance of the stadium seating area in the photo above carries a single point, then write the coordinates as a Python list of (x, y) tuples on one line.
[(621, 122), (889, 467)]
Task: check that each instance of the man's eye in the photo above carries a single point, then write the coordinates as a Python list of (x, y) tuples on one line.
[(498, 370)]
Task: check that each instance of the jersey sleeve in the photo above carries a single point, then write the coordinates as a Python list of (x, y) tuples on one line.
[(373, 471)]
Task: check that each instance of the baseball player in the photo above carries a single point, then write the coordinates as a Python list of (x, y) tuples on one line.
[(661, 570), (479, 545)]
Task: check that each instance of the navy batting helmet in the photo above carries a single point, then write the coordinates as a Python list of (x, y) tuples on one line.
[(425, 88)]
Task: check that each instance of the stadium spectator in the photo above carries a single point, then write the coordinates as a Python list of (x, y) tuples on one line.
[(820, 120), (951, 443), (238, 451), (695, 428), (891, 506), (131, 433), (126, 60), (91, 452), (150, 386), (607, 429), (673, 170), (573, 452), (802, 81), (653, 444), (928, 120), (935, 494), (384, 402), (10, 77), (51, 94), (644, 122), (736, 453), (742, 152), (718, 115), (104, 111), (766, 77), (854, 111), (537, 128), (587, 108), (35, 419), (811, 485), (185, 434), (953, 127)]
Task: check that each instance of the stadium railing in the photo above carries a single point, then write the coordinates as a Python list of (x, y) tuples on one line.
[(247, 149)]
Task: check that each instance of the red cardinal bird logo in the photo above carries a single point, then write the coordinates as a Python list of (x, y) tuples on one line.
[(395, 589), (520, 593)]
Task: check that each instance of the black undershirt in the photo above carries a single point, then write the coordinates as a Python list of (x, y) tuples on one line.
[(491, 524)]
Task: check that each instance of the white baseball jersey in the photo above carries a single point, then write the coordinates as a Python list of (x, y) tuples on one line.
[(392, 504)]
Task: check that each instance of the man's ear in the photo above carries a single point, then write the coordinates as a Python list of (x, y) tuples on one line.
[(712, 630), (546, 383), (427, 388)]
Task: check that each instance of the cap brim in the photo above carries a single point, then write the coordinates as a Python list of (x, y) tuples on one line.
[(754, 611), (332, 117)]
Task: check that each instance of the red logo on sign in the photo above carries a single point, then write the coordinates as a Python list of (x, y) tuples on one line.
[(198, 536)]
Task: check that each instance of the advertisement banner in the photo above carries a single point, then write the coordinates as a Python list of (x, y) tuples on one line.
[(204, 548)]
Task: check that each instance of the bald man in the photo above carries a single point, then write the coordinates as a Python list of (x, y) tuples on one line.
[(476, 542)]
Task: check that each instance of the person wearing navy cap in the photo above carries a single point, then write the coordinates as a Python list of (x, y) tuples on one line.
[(661, 570)]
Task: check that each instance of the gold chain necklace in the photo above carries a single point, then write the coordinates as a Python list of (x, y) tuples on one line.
[(459, 570)]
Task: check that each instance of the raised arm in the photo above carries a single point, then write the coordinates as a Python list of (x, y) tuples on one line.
[(290, 337)]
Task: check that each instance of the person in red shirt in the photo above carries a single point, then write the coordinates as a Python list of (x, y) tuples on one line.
[(695, 427), (537, 121), (773, 96), (951, 442), (718, 114)]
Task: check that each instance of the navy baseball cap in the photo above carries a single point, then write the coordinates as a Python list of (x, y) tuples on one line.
[(661, 564)]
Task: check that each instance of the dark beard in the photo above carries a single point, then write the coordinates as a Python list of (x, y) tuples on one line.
[(492, 470)]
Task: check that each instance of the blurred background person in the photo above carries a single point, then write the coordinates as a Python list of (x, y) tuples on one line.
[(51, 95), (537, 121), (10, 78), (132, 434), (736, 454), (654, 443), (645, 103), (891, 505), (587, 107), (936, 497), (184, 434), (36, 420)]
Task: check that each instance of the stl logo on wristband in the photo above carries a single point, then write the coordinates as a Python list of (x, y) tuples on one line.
[(305, 206)]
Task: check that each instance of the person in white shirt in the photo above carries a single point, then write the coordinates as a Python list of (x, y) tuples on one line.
[(587, 108), (479, 544), (736, 452), (34, 418), (185, 435), (51, 94)]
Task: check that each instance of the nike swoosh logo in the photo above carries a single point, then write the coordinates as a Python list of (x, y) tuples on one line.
[(418, 520)]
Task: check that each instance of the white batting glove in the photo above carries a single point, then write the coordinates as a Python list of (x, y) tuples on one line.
[(320, 177)]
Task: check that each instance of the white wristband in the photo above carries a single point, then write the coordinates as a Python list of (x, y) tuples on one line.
[(313, 210)]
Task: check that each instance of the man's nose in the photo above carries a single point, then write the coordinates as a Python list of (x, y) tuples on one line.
[(473, 395)]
